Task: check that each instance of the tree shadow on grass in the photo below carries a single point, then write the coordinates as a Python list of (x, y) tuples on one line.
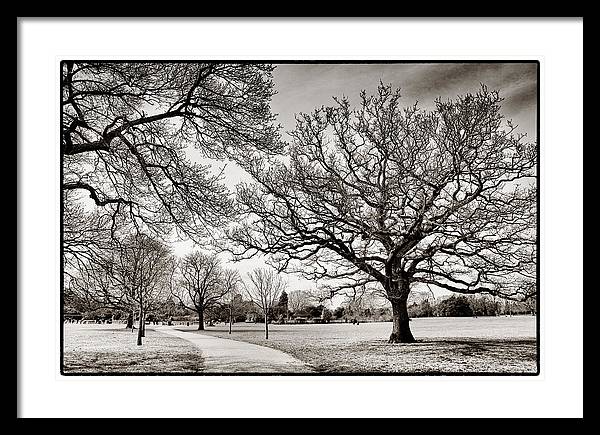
[(468, 346)]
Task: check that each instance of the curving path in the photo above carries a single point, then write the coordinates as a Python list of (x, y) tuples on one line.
[(229, 356)]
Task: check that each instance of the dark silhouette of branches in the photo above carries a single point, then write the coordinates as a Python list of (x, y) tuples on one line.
[(130, 130)]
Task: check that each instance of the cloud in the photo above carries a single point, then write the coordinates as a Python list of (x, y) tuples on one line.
[(303, 87)]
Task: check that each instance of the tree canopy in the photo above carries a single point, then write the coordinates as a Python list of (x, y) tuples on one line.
[(133, 133), (399, 196)]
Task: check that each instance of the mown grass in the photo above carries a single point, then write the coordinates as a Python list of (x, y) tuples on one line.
[(90, 349), (445, 346), (364, 348)]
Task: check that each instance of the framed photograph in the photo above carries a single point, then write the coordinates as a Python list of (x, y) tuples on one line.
[(324, 220), (242, 218)]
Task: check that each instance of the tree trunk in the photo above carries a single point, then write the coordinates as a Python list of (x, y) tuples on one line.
[(140, 326), (144, 325), (401, 328), (201, 320), (266, 326), (230, 318), (129, 322)]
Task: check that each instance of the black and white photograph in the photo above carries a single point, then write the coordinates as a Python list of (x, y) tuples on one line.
[(299, 217)]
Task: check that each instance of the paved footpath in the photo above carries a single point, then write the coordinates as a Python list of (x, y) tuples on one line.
[(229, 356)]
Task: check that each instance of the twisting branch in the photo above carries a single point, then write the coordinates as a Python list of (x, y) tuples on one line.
[(398, 196), (128, 129)]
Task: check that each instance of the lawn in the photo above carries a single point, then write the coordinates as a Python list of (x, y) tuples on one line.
[(445, 345), (93, 348)]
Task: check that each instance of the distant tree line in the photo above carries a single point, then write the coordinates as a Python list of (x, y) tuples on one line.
[(299, 306), (468, 306)]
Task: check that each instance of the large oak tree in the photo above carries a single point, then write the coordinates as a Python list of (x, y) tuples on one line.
[(401, 197)]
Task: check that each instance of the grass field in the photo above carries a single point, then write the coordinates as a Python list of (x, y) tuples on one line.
[(94, 348), (446, 345)]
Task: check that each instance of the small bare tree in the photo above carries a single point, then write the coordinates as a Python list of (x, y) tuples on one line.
[(231, 283), (264, 291), (132, 276), (299, 299), (201, 284), (141, 268)]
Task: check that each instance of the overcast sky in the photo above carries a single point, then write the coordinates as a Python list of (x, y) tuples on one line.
[(302, 87)]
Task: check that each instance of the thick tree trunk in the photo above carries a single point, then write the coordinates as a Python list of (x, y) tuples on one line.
[(144, 325), (201, 320), (401, 327), (140, 326)]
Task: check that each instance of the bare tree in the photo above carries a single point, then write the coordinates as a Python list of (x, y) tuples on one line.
[(231, 283), (91, 287), (202, 285), (400, 197), (86, 235), (128, 130), (361, 299), (142, 268), (264, 290), (299, 299), (132, 277)]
